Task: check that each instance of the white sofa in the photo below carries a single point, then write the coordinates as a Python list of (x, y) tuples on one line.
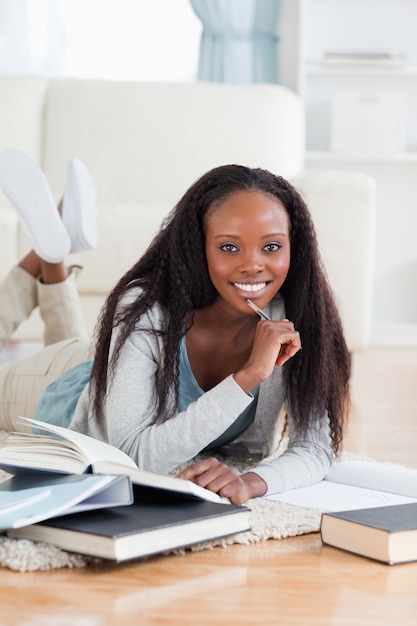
[(145, 143)]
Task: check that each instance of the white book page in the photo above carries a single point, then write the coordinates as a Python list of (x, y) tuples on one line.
[(92, 450), (329, 496), (161, 481), (105, 458), (375, 475), (355, 484)]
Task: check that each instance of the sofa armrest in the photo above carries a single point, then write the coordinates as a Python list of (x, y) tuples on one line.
[(9, 235), (342, 205)]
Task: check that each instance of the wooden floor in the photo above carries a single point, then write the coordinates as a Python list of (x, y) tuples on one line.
[(286, 582)]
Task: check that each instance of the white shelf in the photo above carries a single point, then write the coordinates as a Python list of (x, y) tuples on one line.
[(357, 70), (373, 25), (323, 155)]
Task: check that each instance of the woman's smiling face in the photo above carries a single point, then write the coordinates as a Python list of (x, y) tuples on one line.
[(248, 248)]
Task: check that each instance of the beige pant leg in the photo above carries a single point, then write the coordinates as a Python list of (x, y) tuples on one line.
[(60, 309), (23, 382), (18, 298)]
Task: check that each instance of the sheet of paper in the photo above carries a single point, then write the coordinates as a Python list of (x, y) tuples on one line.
[(375, 475), (329, 496)]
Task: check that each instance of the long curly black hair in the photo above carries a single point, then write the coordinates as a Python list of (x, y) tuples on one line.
[(173, 272)]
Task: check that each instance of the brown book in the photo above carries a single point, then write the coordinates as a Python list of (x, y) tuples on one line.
[(387, 534)]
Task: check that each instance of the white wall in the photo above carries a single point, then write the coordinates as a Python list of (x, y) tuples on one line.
[(370, 25)]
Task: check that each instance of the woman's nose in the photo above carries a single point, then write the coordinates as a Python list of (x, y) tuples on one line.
[(251, 262)]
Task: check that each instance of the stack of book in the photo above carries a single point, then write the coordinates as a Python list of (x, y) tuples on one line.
[(86, 496)]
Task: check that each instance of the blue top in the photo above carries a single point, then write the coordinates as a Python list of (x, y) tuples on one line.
[(190, 391), (58, 401)]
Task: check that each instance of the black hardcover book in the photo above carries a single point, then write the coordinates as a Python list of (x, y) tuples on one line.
[(141, 529), (387, 534)]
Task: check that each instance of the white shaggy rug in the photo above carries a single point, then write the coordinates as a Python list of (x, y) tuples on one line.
[(268, 520)]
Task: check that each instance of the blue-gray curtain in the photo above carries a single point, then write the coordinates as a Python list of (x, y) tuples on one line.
[(239, 40)]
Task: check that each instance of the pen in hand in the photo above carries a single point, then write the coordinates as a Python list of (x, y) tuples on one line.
[(289, 346), (257, 310)]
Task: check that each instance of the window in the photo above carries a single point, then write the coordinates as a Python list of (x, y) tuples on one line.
[(119, 40)]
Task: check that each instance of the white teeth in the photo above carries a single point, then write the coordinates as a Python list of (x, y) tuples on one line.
[(250, 286)]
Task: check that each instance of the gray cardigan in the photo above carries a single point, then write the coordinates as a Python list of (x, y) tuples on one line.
[(159, 446)]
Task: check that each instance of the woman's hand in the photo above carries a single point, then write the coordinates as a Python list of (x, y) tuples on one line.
[(219, 478), (274, 344)]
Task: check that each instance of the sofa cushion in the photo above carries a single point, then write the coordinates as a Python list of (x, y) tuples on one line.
[(150, 141), (9, 236)]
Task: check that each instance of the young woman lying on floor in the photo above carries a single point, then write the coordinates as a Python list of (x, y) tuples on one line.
[(183, 365)]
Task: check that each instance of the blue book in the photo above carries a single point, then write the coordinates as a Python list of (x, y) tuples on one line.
[(27, 499)]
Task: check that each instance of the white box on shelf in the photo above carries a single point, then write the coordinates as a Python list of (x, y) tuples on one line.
[(368, 123)]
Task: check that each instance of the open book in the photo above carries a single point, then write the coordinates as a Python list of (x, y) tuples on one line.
[(56, 449), (356, 484)]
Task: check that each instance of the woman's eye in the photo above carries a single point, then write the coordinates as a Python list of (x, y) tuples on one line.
[(272, 247), (228, 247)]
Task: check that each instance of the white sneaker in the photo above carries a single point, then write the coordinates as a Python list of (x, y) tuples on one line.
[(25, 185), (79, 207)]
